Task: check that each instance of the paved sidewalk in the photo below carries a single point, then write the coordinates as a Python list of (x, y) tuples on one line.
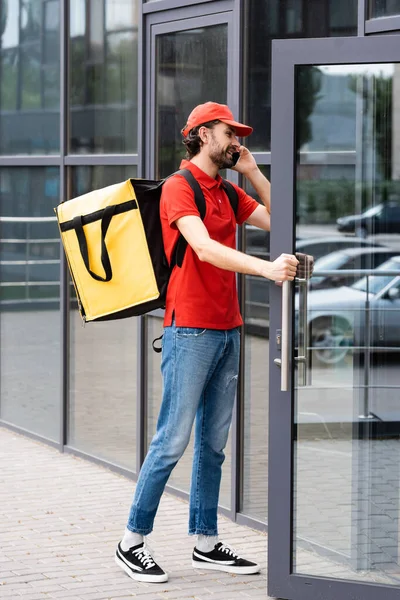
[(60, 520)]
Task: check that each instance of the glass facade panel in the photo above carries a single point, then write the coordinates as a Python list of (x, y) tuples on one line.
[(29, 300), (103, 363), (274, 19), (347, 335), (256, 356), (384, 8), (103, 76), (181, 475), (29, 77), (191, 68)]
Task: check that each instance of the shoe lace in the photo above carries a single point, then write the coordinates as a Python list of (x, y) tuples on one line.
[(143, 554), (228, 550)]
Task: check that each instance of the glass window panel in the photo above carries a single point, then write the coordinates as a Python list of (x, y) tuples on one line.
[(272, 19), (191, 68), (31, 20), (29, 300), (103, 359), (342, 13), (29, 79), (346, 417), (51, 34), (181, 475), (9, 24), (9, 80), (256, 353), (384, 8), (77, 18), (51, 84), (121, 14), (103, 76), (96, 30)]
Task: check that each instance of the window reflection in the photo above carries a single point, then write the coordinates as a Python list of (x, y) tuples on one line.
[(347, 328), (384, 8), (29, 299), (29, 77), (103, 359), (191, 69), (256, 353), (274, 19), (103, 76)]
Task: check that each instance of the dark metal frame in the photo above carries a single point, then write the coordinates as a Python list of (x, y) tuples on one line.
[(286, 55)]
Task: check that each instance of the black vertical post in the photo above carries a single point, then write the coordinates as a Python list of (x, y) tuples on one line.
[(64, 278)]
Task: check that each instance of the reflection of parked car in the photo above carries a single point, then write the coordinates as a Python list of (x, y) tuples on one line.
[(383, 218), (320, 246), (337, 318), (351, 258), (257, 288), (257, 243)]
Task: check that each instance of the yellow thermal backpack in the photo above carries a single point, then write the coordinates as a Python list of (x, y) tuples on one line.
[(112, 239)]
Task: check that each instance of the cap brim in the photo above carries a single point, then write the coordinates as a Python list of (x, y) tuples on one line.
[(241, 130)]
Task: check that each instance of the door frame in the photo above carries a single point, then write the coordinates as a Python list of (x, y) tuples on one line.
[(286, 56), (181, 19)]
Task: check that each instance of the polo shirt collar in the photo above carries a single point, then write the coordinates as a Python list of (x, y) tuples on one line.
[(200, 175)]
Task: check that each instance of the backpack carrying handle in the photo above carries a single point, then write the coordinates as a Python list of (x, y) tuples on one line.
[(77, 224)]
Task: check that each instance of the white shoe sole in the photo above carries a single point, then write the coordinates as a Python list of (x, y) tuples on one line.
[(139, 576), (228, 569)]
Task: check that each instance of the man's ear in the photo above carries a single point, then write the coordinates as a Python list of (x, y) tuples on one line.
[(204, 133)]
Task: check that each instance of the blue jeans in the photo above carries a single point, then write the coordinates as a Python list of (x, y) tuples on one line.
[(200, 371)]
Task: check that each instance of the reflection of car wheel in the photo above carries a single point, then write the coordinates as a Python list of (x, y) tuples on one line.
[(361, 232), (331, 339)]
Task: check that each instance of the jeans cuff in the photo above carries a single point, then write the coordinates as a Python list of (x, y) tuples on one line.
[(203, 532), (139, 531)]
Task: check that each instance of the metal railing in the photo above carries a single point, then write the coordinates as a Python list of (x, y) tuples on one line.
[(26, 281)]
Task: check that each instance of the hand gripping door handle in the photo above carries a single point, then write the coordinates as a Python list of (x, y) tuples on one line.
[(284, 361)]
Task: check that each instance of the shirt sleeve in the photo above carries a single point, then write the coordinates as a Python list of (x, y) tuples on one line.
[(177, 200), (246, 206)]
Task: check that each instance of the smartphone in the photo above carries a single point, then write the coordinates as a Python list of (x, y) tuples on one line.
[(235, 157)]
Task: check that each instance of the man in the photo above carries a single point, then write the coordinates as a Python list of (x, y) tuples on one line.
[(201, 341)]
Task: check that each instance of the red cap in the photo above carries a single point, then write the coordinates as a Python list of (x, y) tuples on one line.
[(211, 111)]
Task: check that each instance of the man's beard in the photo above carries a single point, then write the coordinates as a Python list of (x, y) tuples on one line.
[(220, 158)]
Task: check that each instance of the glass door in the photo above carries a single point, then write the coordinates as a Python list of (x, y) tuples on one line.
[(192, 58), (334, 501)]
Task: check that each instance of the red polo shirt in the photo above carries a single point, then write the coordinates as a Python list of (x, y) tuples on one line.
[(200, 294)]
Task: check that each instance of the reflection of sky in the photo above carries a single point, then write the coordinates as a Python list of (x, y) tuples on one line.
[(333, 118), (9, 38), (386, 69)]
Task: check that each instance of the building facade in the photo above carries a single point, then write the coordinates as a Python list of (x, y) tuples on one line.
[(93, 92)]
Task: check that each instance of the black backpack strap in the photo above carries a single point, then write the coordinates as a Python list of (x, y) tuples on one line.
[(232, 195), (180, 248)]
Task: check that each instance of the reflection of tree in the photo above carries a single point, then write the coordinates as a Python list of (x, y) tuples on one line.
[(112, 81), (309, 81), (377, 100)]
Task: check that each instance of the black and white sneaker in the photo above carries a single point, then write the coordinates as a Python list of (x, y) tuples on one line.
[(223, 558), (139, 564)]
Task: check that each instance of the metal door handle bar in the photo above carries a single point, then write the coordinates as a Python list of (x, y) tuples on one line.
[(283, 362), (303, 327)]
